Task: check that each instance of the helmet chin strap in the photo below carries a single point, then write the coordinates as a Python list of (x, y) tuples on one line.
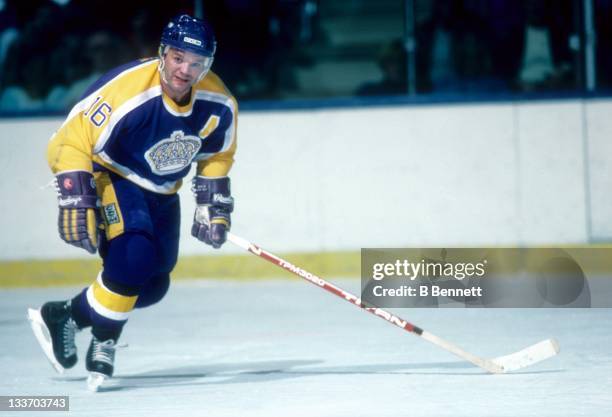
[(202, 75), (162, 65)]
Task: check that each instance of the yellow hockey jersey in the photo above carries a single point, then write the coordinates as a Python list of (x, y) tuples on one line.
[(126, 124)]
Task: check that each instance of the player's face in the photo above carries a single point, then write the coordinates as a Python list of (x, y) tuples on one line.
[(181, 70)]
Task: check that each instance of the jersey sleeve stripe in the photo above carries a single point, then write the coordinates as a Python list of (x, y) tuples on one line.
[(230, 135), (87, 102), (121, 112)]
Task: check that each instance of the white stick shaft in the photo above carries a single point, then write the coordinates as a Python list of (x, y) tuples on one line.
[(485, 364)]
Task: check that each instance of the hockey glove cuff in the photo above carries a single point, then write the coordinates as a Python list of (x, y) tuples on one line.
[(78, 209), (212, 218)]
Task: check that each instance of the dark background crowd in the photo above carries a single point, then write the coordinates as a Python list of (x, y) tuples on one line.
[(50, 51)]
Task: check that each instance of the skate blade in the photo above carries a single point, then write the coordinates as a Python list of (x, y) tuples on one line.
[(41, 332), (95, 381)]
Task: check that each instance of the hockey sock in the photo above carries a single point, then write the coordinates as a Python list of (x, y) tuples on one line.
[(80, 310), (129, 265)]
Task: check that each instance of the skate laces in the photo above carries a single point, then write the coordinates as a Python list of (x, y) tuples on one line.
[(104, 351), (69, 331)]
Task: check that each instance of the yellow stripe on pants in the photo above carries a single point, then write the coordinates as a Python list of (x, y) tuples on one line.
[(112, 301)]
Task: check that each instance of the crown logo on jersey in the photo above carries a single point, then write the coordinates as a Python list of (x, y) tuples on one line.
[(173, 154)]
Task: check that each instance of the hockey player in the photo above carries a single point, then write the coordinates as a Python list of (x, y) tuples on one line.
[(118, 160)]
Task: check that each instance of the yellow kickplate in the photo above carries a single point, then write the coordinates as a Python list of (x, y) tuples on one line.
[(48, 273)]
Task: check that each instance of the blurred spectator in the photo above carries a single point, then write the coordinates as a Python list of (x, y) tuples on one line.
[(143, 38), (548, 62), (245, 37), (50, 49), (293, 26), (103, 51), (561, 17), (392, 63), (24, 80), (504, 35), (82, 63), (262, 43), (478, 45), (63, 46)]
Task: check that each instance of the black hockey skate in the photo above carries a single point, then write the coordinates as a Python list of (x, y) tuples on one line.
[(100, 362), (55, 330)]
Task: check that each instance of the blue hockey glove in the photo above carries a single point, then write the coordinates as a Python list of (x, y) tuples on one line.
[(215, 203), (77, 199)]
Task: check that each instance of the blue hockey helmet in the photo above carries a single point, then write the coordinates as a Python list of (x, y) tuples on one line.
[(189, 34)]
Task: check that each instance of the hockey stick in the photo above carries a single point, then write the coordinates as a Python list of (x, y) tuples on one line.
[(518, 360)]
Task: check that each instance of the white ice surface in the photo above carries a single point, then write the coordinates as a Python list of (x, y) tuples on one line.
[(286, 348)]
